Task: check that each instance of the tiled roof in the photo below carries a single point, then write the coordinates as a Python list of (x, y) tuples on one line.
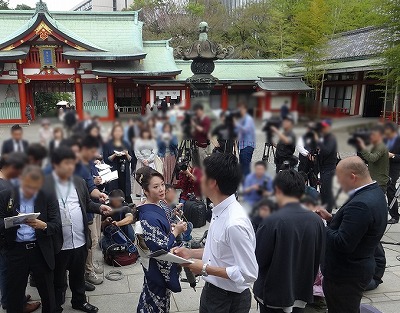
[(159, 61), (240, 70), (20, 53), (282, 84), (115, 32), (360, 43)]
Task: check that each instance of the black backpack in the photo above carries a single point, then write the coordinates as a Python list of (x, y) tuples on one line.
[(195, 212)]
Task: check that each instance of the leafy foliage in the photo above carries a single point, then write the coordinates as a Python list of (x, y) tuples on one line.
[(45, 102)]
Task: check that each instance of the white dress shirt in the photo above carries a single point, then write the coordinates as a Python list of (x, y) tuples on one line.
[(352, 192), (71, 214), (231, 244)]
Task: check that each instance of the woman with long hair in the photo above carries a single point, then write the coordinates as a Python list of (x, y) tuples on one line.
[(117, 154), (145, 152), (160, 277), (168, 150)]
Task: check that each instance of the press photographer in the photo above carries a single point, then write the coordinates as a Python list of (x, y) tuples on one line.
[(377, 157), (201, 125), (327, 159), (308, 153), (393, 144), (257, 184), (286, 145), (224, 134)]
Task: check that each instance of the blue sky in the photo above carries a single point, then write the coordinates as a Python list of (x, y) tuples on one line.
[(53, 5)]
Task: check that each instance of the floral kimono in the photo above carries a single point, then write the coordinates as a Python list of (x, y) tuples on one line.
[(160, 278)]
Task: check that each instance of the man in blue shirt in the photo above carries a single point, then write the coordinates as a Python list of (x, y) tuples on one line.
[(30, 246), (246, 131), (257, 184)]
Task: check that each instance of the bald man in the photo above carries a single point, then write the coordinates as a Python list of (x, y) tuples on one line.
[(353, 235)]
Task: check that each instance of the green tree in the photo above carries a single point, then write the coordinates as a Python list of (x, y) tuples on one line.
[(45, 102), (4, 5), (390, 21), (23, 7)]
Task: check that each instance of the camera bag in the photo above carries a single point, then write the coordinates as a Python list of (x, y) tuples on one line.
[(195, 212)]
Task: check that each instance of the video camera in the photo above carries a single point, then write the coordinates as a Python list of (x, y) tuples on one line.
[(272, 122), (309, 137), (363, 134), (263, 187)]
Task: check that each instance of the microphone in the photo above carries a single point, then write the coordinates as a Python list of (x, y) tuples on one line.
[(191, 279)]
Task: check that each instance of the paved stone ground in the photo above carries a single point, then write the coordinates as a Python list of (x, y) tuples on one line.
[(122, 296)]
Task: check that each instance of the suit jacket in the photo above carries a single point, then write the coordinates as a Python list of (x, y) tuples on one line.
[(394, 168), (8, 146), (353, 235), (290, 245), (86, 204), (47, 205)]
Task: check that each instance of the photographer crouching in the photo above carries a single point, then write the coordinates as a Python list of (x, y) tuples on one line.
[(377, 158), (327, 159), (286, 145)]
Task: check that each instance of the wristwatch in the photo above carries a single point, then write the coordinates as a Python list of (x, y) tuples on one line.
[(204, 270)]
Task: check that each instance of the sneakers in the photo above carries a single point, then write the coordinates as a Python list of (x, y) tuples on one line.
[(93, 279)]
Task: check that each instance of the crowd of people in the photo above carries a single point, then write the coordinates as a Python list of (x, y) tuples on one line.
[(278, 236)]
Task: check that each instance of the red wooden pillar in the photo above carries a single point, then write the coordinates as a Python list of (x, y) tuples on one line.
[(30, 99), (79, 96), (268, 98), (295, 102), (21, 91), (260, 103), (147, 99), (110, 99), (187, 98), (224, 98), (357, 101)]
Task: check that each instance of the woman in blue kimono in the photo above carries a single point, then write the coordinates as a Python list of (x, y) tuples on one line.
[(160, 278)]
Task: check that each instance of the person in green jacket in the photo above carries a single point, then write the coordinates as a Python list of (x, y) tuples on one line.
[(377, 157)]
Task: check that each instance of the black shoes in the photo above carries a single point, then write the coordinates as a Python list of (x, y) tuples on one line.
[(86, 307), (89, 286), (392, 221)]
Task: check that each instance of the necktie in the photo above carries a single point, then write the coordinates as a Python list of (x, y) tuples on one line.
[(19, 147)]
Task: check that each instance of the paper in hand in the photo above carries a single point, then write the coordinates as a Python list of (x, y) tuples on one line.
[(19, 219), (168, 257)]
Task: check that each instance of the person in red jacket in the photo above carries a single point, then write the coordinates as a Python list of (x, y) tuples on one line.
[(189, 182)]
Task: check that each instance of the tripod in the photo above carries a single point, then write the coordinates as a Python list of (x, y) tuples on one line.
[(268, 150), (186, 148)]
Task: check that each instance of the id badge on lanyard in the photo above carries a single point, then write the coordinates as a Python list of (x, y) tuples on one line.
[(65, 214)]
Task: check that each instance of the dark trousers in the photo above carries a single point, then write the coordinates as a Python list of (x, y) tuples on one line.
[(343, 297), (391, 191), (264, 309), (3, 277), (73, 261), (245, 156), (20, 262), (217, 300), (327, 197)]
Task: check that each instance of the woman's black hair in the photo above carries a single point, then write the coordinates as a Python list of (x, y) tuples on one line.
[(144, 175), (265, 202)]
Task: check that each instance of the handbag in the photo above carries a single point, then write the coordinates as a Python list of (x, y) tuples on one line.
[(159, 165)]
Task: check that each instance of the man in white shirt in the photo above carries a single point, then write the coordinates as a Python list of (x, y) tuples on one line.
[(227, 263)]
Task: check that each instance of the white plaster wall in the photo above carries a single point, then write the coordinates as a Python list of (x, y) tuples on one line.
[(3, 91), (101, 91)]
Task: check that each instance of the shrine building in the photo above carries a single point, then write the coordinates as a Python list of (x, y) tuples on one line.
[(101, 58)]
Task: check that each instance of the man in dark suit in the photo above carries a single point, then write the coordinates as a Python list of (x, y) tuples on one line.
[(393, 144), (290, 245), (16, 143), (353, 235), (74, 200), (30, 245)]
